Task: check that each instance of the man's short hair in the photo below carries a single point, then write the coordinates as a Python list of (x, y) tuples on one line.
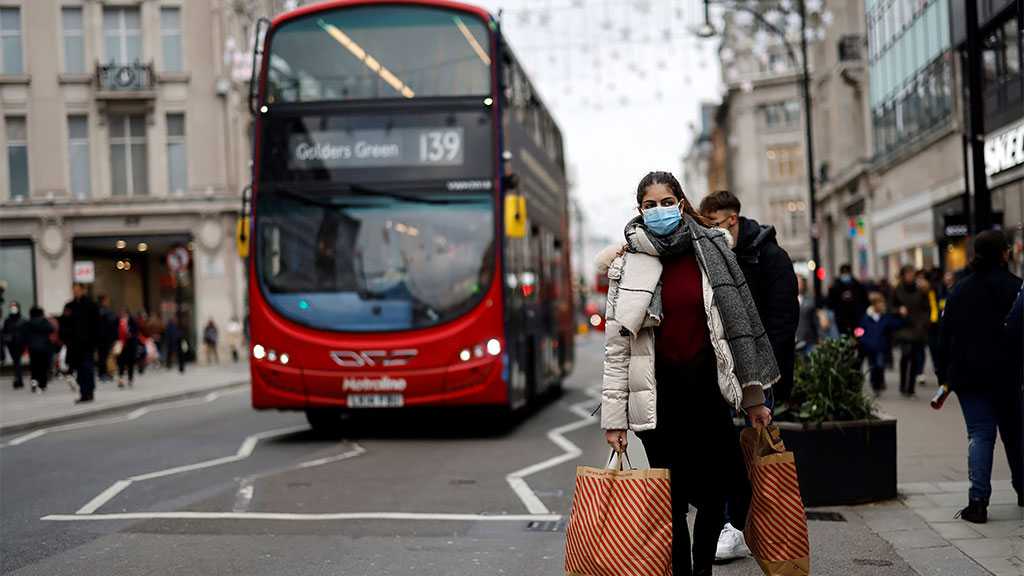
[(720, 200), (846, 269)]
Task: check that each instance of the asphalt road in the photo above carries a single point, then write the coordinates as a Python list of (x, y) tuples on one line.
[(217, 488)]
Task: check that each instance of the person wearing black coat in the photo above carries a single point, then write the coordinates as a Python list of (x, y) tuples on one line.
[(84, 326), (36, 335), (847, 298), (12, 342), (910, 300), (973, 362), (769, 273)]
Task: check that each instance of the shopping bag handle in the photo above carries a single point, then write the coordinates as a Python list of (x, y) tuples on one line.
[(619, 460), (769, 440)]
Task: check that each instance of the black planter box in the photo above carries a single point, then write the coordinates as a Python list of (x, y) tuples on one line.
[(843, 463)]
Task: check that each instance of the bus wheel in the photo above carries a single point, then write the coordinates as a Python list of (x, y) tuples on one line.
[(324, 421)]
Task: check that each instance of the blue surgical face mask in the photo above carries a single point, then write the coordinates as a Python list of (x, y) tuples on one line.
[(662, 220)]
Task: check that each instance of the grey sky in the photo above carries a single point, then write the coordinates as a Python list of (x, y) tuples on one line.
[(624, 79)]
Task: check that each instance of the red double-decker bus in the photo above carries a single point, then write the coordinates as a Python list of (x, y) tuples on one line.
[(409, 215)]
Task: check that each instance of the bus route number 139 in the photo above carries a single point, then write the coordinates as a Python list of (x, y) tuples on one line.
[(440, 147)]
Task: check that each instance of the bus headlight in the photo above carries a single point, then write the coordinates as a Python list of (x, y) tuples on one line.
[(258, 352), (272, 356), (465, 355), (595, 320), (494, 347), (284, 358)]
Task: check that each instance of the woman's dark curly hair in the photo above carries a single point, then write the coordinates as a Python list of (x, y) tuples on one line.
[(669, 180)]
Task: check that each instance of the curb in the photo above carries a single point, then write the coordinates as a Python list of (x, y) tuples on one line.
[(26, 425)]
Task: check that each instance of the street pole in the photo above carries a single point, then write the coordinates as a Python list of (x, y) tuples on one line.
[(976, 126), (809, 129)]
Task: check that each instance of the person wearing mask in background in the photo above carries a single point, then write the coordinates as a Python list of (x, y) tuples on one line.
[(773, 284), (807, 328), (975, 362), (847, 299), (36, 333), (128, 336), (85, 326), (678, 310), (873, 337), (107, 337), (911, 302), (12, 341)]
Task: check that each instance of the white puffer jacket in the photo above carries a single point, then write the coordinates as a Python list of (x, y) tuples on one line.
[(629, 390)]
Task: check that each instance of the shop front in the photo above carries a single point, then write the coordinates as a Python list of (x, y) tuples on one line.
[(1004, 164)]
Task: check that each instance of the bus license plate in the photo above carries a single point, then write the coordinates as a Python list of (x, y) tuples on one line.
[(376, 400)]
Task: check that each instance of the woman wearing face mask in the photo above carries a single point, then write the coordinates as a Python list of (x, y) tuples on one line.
[(684, 344)]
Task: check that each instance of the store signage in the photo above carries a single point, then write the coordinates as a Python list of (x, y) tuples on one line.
[(84, 271), (1005, 149), (377, 148)]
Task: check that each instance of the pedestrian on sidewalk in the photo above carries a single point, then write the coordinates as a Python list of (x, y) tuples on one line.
[(973, 363), (679, 279), (128, 336), (235, 338), (847, 298), (876, 328), (769, 274), (84, 332), (107, 337), (911, 302), (12, 341), (1010, 402), (36, 335), (807, 329), (210, 338), (173, 340)]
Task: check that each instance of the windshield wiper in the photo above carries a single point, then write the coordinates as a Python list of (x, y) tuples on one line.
[(320, 198)]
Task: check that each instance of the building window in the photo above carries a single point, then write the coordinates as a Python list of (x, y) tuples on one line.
[(17, 157), (10, 41), (128, 170), (170, 38), (784, 162), (177, 159), (78, 155), (17, 272), (74, 39), (122, 35), (781, 114)]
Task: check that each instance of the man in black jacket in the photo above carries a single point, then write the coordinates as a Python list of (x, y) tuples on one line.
[(772, 280), (84, 330), (973, 363), (848, 299), (770, 275)]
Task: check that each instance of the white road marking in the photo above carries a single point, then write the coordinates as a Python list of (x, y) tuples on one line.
[(290, 516), (244, 452), (355, 451), (103, 497), (244, 497), (516, 480), (133, 415)]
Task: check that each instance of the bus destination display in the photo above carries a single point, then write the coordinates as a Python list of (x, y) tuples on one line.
[(378, 148)]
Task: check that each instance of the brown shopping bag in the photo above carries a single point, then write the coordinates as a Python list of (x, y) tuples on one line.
[(776, 530), (621, 523)]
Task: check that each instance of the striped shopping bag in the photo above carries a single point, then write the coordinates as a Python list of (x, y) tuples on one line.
[(620, 524), (776, 530)]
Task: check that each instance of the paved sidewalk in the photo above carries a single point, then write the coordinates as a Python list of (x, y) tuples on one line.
[(21, 410), (932, 475)]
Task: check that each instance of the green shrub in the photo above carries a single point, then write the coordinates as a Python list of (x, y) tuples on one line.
[(828, 386)]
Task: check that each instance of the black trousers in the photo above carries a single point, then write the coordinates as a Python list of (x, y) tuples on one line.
[(39, 364), (911, 365), (696, 441), (102, 354), (127, 359)]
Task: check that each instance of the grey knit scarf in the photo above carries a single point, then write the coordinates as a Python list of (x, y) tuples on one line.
[(748, 341)]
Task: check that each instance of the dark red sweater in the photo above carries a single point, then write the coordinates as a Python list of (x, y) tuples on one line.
[(684, 329)]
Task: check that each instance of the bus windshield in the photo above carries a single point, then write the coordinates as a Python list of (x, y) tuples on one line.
[(376, 52), (373, 260)]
